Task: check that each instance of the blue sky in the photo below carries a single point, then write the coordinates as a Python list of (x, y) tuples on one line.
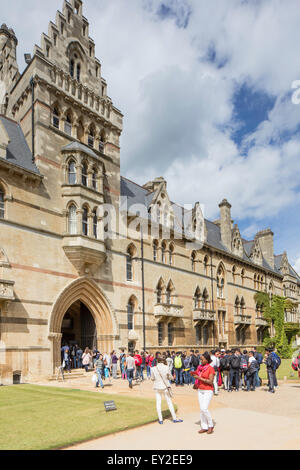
[(205, 88)]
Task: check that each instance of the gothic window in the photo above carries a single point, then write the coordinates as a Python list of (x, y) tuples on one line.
[(91, 137), (78, 70), (55, 118), (255, 282), (95, 223), (205, 300), (160, 330), (68, 125), (163, 253), (155, 245), (193, 260), (2, 204), (243, 277), (171, 255), (72, 220), (206, 265), (85, 223), (237, 306), (102, 142), (234, 274), (94, 178), (170, 334), (84, 175), (130, 314), (205, 335), (72, 67), (197, 298), (220, 282), (243, 306), (72, 172), (159, 291)]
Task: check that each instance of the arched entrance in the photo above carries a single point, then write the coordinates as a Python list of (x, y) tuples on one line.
[(82, 313), (79, 327)]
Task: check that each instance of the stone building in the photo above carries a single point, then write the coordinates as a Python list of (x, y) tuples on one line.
[(67, 273)]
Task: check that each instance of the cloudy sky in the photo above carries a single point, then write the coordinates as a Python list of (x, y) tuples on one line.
[(206, 91)]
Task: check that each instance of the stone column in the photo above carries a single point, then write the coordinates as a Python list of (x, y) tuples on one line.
[(55, 350)]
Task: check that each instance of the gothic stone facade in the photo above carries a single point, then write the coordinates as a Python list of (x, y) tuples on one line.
[(59, 167)]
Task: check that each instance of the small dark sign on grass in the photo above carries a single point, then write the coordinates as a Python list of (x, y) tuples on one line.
[(110, 406)]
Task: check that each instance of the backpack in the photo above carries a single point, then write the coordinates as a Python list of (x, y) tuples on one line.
[(276, 361), (178, 362), (235, 362), (224, 363), (244, 363), (295, 364)]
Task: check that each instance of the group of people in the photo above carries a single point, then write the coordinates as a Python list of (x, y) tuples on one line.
[(207, 372)]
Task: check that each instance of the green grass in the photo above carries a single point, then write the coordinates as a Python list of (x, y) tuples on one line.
[(285, 370), (40, 418)]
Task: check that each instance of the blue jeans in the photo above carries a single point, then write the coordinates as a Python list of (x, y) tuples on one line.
[(129, 373), (257, 381), (179, 376), (192, 380), (250, 381), (234, 374), (99, 373), (68, 365), (142, 372), (148, 372), (187, 377)]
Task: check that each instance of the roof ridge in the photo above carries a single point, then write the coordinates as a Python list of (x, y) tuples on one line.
[(136, 184)]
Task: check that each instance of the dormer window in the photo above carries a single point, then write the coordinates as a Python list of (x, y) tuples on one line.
[(54, 39), (62, 28), (77, 8), (84, 30), (69, 16)]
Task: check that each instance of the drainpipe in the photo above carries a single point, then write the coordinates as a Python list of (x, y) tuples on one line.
[(212, 293), (143, 288), (32, 118)]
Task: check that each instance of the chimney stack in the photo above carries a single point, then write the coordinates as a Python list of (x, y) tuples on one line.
[(266, 241), (225, 223)]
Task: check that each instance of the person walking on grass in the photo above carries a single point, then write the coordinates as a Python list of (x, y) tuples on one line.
[(130, 368), (160, 375), (205, 385)]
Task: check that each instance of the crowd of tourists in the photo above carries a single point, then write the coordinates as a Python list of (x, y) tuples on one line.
[(231, 370)]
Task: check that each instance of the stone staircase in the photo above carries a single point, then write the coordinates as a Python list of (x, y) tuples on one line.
[(75, 374)]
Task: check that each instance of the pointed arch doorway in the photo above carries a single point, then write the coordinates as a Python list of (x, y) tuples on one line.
[(82, 313), (79, 327)]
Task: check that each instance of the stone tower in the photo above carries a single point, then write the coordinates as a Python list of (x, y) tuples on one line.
[(9, 72), (225, 223)]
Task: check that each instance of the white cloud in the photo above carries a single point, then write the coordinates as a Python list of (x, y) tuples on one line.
[(296, 265)]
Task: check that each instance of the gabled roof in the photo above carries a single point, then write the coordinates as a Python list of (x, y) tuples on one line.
[(18, 153), (136, 194)]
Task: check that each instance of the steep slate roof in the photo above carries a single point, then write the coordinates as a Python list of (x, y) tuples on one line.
[(136, 194), (18, 152)]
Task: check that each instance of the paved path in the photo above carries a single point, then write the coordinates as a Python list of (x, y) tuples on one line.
[(244, 420)]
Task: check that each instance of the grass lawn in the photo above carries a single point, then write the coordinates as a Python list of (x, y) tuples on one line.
[(40, 418), (285, 370)]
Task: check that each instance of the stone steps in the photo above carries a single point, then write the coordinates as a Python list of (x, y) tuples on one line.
[(74, 375)]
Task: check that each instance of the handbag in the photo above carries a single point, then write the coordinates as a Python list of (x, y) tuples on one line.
[(94, 378), (168, 387)]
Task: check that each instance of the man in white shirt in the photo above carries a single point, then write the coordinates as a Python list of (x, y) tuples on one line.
[(216, 364)]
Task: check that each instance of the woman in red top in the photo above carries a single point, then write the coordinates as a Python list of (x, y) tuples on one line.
[(205, 384)]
